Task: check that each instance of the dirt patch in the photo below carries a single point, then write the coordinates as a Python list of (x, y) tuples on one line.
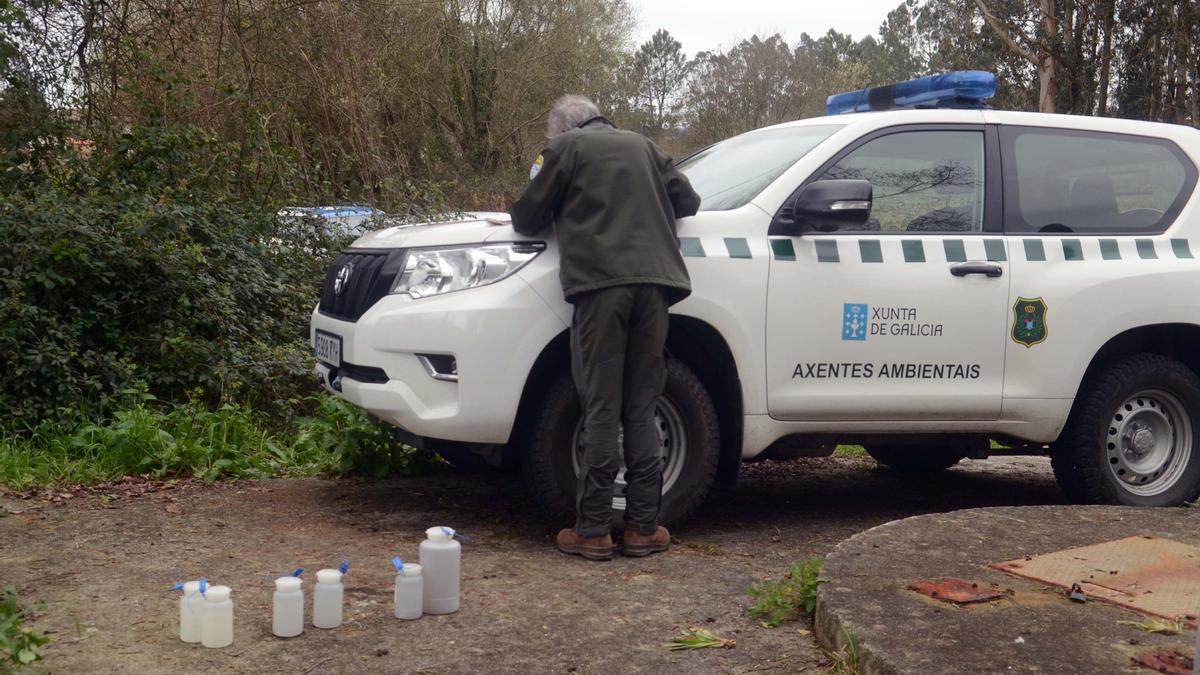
[(104, 568)]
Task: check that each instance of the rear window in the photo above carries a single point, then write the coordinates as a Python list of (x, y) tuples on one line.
[(1060, 181), (730, 173)]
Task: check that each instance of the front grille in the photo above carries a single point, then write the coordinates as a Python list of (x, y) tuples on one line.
[(370, 277)]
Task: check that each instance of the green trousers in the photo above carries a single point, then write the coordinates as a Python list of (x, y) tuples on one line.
[(617, 340)]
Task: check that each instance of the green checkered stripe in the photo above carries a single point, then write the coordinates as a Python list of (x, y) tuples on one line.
[(894, 250), (839, 250), (724, 247), (1093, 248)]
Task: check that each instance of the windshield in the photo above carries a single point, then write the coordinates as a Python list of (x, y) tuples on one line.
[(730, 173)]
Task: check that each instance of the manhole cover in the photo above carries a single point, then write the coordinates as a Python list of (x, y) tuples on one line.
[(1146, 573)]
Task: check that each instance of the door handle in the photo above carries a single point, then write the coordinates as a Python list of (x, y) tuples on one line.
[(988, 269)]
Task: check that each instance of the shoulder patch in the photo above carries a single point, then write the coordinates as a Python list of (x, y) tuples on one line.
[(537, 166)]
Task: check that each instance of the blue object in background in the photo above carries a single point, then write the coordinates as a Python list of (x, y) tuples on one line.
[(959, 89)]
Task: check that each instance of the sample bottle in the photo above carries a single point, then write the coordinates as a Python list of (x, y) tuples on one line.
[(287, 616), (409, 591), (216, 627), (191, 608), (327, 599), (441, 566)]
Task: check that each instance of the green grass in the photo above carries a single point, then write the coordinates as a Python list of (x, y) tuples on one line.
[(19, 646), (850, 451), (789, 598), (191, 440)]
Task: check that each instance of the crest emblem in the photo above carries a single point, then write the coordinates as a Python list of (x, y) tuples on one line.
[(1029, 321), (342, 279)]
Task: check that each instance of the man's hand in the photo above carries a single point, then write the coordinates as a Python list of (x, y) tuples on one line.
[(498, 221)]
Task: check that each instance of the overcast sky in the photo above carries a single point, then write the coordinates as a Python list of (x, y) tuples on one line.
[(708, 24)]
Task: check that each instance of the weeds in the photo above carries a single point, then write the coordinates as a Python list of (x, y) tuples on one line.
[(847, 659), (1160, 626), (18, 645), (232, 441), (791, 597), (698, 638)]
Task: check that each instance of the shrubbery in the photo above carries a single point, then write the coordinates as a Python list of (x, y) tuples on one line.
[(147, 266), (192, 440)]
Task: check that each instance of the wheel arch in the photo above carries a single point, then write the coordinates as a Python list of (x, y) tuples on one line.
[(700, 346), (1174, 340), (695, 343)]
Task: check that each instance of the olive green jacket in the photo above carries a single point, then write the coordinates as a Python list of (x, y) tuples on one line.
[(613, 197)]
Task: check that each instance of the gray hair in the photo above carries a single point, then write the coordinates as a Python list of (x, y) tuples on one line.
[(569, 112)]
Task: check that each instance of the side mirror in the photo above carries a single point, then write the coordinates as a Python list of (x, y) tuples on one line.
[(825, 206)]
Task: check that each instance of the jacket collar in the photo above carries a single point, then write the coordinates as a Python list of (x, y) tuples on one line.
[(598, 120)]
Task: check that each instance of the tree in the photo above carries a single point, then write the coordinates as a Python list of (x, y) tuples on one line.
[(749, 86), (660, 71), (1037, 49)]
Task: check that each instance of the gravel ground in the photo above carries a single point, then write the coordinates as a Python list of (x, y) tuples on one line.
[(103, 565)]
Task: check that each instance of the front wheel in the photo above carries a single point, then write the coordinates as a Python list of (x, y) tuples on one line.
[(1131, 438), (687, 432)]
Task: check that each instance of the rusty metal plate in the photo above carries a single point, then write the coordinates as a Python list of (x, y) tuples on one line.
[(1168, 661), (1149, 574), (956, 591)]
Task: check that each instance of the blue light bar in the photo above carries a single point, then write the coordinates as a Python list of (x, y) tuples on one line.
[(960, 89)]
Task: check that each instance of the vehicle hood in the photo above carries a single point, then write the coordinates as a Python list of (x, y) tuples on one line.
[(463, 228)]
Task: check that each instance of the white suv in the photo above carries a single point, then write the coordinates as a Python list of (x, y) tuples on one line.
[(920, 281)]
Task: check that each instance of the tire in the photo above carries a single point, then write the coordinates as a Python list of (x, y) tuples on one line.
[(915, 458), (1131, 438), (685, 408)]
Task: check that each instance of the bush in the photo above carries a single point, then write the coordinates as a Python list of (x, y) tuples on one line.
[(150, 264), (191, 440)]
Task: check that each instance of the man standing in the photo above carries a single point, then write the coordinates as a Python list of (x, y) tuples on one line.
[(613, 197)]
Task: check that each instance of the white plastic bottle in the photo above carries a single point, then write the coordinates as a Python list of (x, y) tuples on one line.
[(216, 626), (191, 608), (287, 616), (327, 599), (441, 567), (409, 591)]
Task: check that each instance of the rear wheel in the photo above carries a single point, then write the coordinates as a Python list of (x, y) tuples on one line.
[(687, 432), (1131, 438), (915, 458)]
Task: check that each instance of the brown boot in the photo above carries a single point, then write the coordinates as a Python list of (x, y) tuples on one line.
[(592, 548), (637, 545)]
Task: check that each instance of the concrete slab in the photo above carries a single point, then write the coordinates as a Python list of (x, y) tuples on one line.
[(1033, 628)]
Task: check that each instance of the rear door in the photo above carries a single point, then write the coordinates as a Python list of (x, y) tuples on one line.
[(905, 318)]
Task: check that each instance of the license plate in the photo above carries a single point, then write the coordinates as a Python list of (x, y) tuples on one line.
[(328, 348)]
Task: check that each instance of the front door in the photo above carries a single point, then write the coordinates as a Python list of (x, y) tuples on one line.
[(905, 318)]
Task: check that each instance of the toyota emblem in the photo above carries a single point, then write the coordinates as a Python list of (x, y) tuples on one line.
[(342, 278)]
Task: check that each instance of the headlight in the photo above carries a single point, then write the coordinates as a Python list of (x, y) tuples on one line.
[(433, 271)]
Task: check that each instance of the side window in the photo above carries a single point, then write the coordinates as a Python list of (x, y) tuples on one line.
[(1059, 181), (922, 181)]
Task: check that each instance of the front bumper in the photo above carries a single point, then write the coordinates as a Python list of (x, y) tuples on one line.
[(495, 333)]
